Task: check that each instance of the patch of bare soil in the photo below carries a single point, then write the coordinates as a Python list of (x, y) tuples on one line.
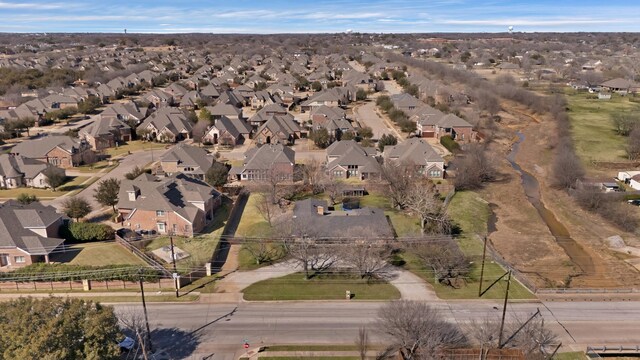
[(522, 237)]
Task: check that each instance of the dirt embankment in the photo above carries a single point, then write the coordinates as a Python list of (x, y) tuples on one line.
[(522, 237)]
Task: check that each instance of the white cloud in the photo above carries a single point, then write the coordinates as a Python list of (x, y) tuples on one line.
[(530, 22), (30, 6)]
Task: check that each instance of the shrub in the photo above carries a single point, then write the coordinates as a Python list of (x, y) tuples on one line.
[(85, 232), (449, 143)]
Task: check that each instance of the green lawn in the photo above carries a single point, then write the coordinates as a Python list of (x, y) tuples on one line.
[(576, 355), (321, 287), (73, 184), (136, 145), (471, 214), (592, 126), (403, 224), (97, 254), (246, 260), (252, 224), (97, 166), (200, 247)]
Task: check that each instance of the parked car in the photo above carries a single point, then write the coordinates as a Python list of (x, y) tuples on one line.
[(635, 202)]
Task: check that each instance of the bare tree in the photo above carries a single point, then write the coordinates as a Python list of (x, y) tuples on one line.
[(474, 168), (131, 321), (398, 178), (633, 144), (362, 342), (367, 257), (534, 339), (333, 189), (424, 201), (264, 251), (417, 329), (267, 207), (567, 168), (484, 332), (314, 176), (444, 257), (314, 256)]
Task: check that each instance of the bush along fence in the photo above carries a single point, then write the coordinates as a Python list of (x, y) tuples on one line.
[(60, 277)]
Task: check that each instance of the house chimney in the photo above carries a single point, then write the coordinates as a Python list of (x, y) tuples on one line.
[(320, 210), (132, 195)]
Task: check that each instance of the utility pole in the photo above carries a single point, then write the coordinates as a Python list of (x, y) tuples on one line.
[(504, 308), (175, 270), (144, 307), (484, 253)]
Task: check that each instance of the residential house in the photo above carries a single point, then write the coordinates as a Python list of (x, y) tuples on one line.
[(106, 133), (434, 124), (262, 98), (178, 205), (630, 177), (264, 163), (186, 159), (176, 90), (158, 98), (620, 85), (29, 233), (335, 97), (125, 111), (405, 102), (417, 153), (58, 150), (18, 171), (167, 125), (222, 109), (315, 219), (347, 159), (228, 131), (331, 118), (190, 100), (278, 129), (266, 113)]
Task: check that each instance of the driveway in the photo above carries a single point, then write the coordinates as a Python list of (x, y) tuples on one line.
[(366, 115), (411, 286), (140, 158)]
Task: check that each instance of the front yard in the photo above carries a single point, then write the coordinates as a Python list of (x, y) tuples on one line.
[(200, 247), (74, 183), (135, 145), (97, 254), (320, 287)]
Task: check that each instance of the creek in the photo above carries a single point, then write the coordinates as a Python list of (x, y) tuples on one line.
[(574, 251)]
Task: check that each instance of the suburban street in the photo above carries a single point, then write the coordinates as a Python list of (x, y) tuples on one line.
[(220, 329), (127, 164)]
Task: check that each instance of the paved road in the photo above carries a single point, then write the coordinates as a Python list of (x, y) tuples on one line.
[(366, 116), (127, 164), (220, 329)]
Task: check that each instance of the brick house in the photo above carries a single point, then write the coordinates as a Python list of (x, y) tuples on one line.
[(186, 159), (347, 159), (179, 205), (106, 133), (58, 150), (18, 171), (419, 154), (28, 234), (261, 163)]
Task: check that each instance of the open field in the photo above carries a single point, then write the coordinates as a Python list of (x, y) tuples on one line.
[(471, 214), (320, 287), (74, 183), (592, 127), (200, 247), (97, 254)]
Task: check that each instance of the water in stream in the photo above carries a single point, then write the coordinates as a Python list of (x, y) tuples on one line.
[(575, 251)]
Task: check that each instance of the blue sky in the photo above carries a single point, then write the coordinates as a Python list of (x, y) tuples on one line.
[(300, 16)]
